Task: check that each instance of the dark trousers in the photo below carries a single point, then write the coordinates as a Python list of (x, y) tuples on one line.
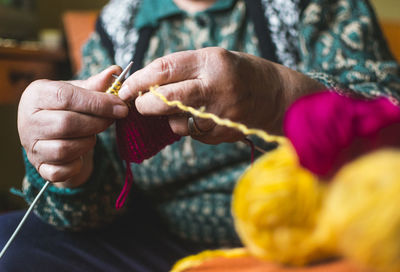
[(132, 243)]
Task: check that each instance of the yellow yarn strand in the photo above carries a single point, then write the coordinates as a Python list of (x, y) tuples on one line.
[(115, 87), (195, 260), (219, 121)]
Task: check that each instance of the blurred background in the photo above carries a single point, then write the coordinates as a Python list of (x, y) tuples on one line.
[(42, 39)]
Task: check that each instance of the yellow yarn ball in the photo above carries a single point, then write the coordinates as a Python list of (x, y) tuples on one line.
[(275, 206), (361, 215), (284, 214)]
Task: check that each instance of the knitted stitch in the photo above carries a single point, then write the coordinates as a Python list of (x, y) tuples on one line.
[(140, 137)]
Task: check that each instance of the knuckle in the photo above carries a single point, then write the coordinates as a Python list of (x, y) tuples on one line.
[(164, 67), (204, 92), (33, 147), (64, 95), (172, 95), (220, 51), (225, 59), (221, 54), (32, 154), (95, 105), (32, 93)]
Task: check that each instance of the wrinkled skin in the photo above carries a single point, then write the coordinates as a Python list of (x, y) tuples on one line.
[(232, 85), (58, 121)]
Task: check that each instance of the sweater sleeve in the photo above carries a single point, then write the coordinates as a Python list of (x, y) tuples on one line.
[(92, 204), (342, 46)]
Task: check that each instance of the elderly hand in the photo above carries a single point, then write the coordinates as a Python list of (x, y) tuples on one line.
[(58, 122), (237, 86)]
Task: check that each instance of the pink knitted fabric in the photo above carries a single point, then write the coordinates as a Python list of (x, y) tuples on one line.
[(327, 129), (140, 137)]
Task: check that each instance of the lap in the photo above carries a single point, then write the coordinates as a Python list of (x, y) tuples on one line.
[(129, 244)]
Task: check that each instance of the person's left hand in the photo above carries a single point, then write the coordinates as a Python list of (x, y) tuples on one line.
[(237, 86)]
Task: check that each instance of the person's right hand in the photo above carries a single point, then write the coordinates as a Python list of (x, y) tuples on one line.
[(58, 122)]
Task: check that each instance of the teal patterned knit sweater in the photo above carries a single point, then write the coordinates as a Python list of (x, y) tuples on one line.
[(190, 183)]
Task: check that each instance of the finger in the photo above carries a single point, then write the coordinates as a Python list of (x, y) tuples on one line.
[(220, 134), (62, 151), (214, 135), (178, 124), (168, 69), (53, 95), (203, 124), (58, 173), (67, 124), (82, 177), (188, 92), (99, 82)]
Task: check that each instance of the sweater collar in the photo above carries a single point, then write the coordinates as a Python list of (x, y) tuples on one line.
[(152, 11)]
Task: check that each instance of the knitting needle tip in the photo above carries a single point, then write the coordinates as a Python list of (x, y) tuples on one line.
[(121, 77)]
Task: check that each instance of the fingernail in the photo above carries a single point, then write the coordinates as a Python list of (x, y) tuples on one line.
[(120, 110), (124, 92)]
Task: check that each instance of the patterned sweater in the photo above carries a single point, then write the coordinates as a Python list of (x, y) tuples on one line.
[(337, 42)]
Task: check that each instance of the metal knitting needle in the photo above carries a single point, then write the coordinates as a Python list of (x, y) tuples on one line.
[(113, 90), (24, 218), (118, 82)]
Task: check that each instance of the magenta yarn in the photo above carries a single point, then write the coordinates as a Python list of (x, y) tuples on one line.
[(141, 137), (327, 129)]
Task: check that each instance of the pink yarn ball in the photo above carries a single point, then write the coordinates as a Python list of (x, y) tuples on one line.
[(327, 129)]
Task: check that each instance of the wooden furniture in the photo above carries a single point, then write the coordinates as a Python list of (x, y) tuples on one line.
[(78, 26), (19, 67), (391, 29)]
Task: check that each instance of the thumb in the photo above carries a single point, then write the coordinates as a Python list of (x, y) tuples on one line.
[(99, 82)]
